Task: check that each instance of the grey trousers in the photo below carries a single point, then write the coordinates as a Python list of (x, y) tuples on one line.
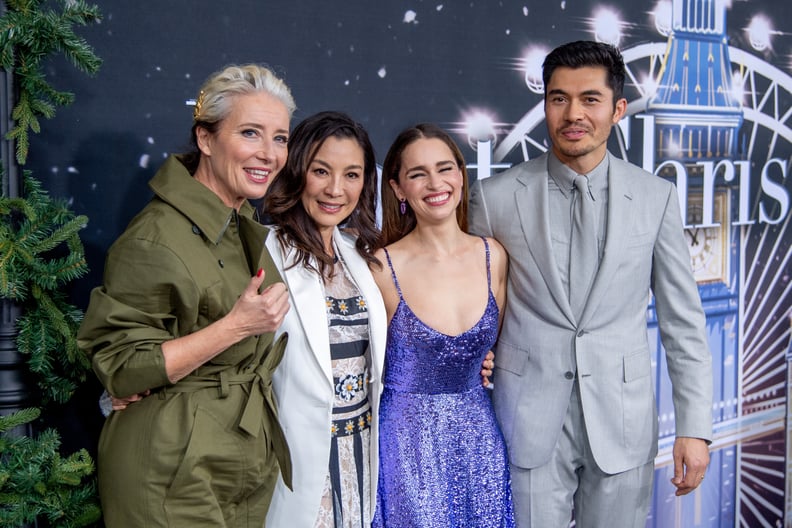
[(571, 483)]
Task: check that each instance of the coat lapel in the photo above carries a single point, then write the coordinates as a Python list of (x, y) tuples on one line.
[(309, 303), (532, 206)]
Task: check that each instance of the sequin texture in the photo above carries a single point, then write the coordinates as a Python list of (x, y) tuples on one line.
[(442, 459)]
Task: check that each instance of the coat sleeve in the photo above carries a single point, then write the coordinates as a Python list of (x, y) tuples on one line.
[(145, 300), (682, 326)]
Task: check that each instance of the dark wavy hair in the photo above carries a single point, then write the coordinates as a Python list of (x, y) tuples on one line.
[(283, 203), (582, 53), (394, 224)]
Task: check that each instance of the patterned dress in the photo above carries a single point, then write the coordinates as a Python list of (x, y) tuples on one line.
[(442, 460), (345, 501)]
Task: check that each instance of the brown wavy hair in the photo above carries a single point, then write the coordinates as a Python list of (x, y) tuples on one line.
[(394, 224), (283, 203)]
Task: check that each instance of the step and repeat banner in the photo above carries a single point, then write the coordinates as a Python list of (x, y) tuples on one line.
[(709, 107)]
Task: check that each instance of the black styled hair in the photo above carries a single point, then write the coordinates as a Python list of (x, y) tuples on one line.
[(582, 53)]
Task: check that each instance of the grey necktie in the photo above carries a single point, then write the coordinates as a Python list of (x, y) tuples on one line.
[(583, 251)]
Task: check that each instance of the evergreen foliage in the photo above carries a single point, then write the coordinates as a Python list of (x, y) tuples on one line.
[(29, 34), (40, 253), (36, 483)]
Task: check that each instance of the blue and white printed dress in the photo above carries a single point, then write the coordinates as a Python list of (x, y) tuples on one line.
[(345, 500)]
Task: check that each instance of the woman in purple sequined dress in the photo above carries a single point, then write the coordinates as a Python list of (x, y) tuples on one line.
[(443, 459)]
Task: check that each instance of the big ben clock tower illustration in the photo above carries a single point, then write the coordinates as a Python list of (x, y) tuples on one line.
[(697, 119)]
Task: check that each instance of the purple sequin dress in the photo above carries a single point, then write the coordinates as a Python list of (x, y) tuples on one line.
[(442, 456)]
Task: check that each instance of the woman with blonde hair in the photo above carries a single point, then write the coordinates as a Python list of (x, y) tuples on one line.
[(187, 314)]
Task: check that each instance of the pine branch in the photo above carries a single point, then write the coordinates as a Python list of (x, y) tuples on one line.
[(42, 252), (18, 418), (28, 36), (36, 482)]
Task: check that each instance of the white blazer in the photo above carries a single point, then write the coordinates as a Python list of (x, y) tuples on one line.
[(303, 382)]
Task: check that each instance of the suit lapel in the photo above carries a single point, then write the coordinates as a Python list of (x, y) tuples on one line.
[(621, 213), (533, 209), (309, 304)]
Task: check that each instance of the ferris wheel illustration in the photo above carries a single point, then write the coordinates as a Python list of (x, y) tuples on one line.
[(758, 110)]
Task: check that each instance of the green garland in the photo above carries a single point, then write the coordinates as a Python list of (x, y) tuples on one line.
[(40, 253), (33, 273), (29, 34), (36, 483)]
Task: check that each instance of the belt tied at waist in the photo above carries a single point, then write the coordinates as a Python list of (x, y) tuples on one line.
[(260, 400)]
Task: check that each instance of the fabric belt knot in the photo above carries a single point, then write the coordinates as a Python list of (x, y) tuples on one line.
[(261, 400)]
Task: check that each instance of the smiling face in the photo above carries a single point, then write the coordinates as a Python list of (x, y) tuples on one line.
[(247, 151), (429, 179), (333, 184), (580, 112)]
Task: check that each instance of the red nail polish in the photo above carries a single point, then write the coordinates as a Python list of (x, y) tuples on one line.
[(260, 272)]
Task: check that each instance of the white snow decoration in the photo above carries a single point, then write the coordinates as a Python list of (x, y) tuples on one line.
[(409, 16), (382, 72), (144, 161)]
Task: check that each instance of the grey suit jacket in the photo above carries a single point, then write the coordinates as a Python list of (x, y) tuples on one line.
[(541, 344)]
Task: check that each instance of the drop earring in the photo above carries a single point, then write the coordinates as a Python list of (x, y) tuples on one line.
[(403, 206)]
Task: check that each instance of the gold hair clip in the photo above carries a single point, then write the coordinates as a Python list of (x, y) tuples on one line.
[(198, 104)]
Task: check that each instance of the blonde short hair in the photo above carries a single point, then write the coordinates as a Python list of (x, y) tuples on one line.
[(213, 102)]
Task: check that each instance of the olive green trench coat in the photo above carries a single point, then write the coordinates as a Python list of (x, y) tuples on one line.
[(207, 450)]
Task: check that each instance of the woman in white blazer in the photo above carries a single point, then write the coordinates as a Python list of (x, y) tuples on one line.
[(328, 383)]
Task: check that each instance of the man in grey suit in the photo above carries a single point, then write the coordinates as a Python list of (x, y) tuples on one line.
[(573, 386)]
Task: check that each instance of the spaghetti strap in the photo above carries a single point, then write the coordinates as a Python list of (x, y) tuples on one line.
[(393, 272), (489, 275)]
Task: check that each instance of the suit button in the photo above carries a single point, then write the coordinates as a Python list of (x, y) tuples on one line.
[(569, 375), (581, 333)]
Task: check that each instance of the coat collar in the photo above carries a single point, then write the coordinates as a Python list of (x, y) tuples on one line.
[(176, 186), (308, 295)]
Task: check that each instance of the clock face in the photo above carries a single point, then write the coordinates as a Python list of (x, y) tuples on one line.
[(702, 243), (707, 245)]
